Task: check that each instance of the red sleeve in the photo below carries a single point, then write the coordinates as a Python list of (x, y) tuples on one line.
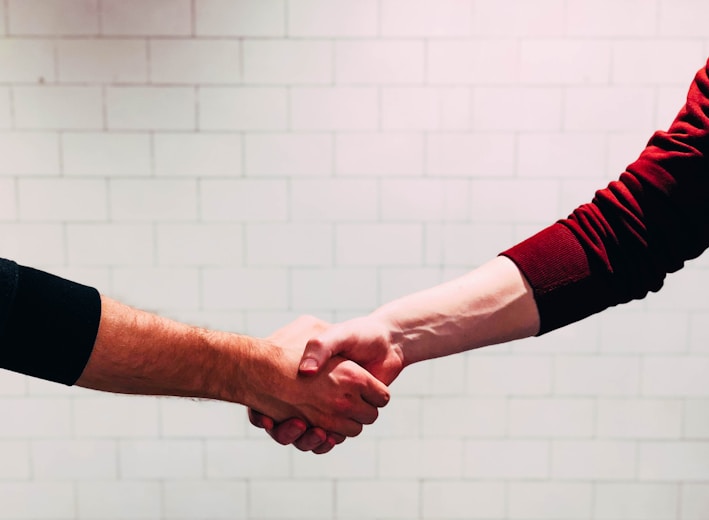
[(641, 227)]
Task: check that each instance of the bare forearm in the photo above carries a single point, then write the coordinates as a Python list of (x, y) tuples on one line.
[(138, 352), (489, 305)]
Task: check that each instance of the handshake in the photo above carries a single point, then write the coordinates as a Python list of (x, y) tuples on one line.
[(334, 386)]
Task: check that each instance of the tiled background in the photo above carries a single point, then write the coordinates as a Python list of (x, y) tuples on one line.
[(235, 163)]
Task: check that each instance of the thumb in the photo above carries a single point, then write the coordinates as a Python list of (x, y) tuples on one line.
[(316, 353)]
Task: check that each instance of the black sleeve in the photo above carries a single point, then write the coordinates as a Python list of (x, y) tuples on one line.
[(48, 325)]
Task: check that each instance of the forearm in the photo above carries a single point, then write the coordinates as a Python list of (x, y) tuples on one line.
[(137, 352), (489, 305)]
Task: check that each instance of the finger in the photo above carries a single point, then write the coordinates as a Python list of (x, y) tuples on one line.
[(315, 355), (312, 439), (365, 414), (376, 393), (336, 438), (289, 431), (325, 446), (260, 421)]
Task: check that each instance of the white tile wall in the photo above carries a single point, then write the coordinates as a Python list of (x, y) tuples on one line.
[(236, 163)]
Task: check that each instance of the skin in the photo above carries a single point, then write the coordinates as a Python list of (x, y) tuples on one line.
[(137, 352), (489, 305)]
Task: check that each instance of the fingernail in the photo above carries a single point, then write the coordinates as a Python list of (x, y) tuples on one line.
[(294, 431), (309, 364)]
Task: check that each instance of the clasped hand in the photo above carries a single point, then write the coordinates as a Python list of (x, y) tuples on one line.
[(341, 381)]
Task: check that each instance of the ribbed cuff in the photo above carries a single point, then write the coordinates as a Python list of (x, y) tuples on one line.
[(557, 268), (51, 327)]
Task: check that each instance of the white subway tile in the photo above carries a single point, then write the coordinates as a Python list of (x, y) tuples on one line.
[(328, 288), (6, 110), (383, 245), (470, 155), (242, 108), (326, 200), (682, 18), (382, 61), (33, 244), (294, 497), (8, 199), (16, 460), (562, 155), (446, 18), (53, 17), (289, 244), (463, 500), (550, 500), (608, 109), (672, 62), (247, 459), (116, 417), (240, 17), (387, 154), (36, 65), (644, 332), (673, 461), (110, 244), (385, 499), (524, 18), (199, 244), (233, 200), (106, 154), (511, 201), (679, 292), (506, 459), (607, 18), (56, 107), (121, 500), (564, 61), (242, 289), (428, 200), (482, 418), (397, 282), (517, 109), (333, 18), (199, 419), (694, 501), (198, 155), (593, 460), (150, 108), (592, 375), (434, 458), (102, 61), (285, 62), (12, 383), (339, 108), (295, 154), (402, 417), (195, 61), (509, 375), (675, 376), (356, 458), (425, 108), (74, 459), (36, 418), (472, 62), (465, 245), (156, 459), (696, 418), (632, 501), (146, 17), (205, 499), (62, 199), (151, 200), (639, 419), (669, 102), (37, 500), (157, 289), (552, 417)]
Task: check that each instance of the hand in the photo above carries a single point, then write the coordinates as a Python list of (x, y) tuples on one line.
[(340, 399), (368, 341)]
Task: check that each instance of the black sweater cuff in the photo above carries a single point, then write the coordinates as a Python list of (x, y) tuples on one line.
[(50, 326)]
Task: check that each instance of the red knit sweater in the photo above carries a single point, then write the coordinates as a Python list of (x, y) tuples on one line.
[(641, 227)]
